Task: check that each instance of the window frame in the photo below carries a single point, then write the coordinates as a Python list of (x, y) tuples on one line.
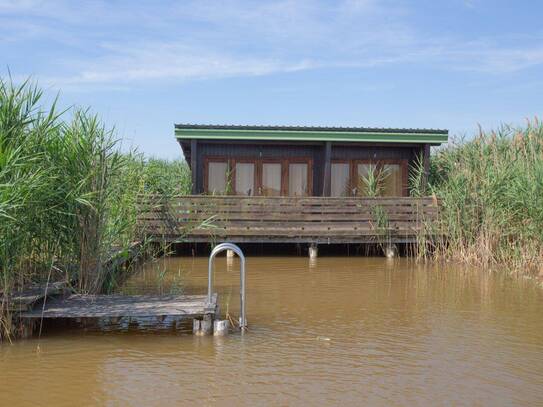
[(402, 162), (261, 163), (243, 160), (214, 159), (299, 160)]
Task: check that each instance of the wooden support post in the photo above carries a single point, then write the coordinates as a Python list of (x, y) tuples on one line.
[(327, 176), (426, 163), (196, 326), (207, 325), (203, 326), (230, 253), (220, 328), (313, 251), (27, 328), (391, 251), (194, 165)]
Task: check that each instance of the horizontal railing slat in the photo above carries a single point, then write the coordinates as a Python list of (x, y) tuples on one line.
[(286, 216)]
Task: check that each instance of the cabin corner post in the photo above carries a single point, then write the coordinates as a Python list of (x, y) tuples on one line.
[(327, 178), (426, 164), (194, 165)]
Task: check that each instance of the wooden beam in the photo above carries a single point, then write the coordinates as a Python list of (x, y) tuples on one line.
[(426, 162), (194, 165), (327, 178)]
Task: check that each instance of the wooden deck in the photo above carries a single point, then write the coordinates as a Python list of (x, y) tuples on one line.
[(289, 220), (112, 306)]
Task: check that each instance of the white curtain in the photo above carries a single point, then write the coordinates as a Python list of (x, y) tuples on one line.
[(245, 179), (297, 179), (216, 177), (340, 179), (271, 179)]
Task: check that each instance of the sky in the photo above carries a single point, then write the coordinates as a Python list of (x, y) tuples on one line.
[(145, 65)]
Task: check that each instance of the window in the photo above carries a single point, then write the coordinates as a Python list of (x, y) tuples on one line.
[(271, 179), (253, 176), (245, 179), (298, 179), (392, 180), (217, 177), (340, 179)]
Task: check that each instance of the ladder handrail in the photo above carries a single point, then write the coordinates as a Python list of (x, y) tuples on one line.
[(220, 248)]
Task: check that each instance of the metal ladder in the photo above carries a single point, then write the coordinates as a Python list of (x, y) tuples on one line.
[(220, 248)]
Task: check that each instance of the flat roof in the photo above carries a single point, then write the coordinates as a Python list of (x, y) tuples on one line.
[(310, 133)]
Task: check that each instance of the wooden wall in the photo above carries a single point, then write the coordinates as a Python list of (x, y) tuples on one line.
[(315, 151)]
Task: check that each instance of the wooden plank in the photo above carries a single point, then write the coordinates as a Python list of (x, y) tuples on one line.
[(194, 165), (25, 299), (412, 231), (358, 239), (289, 217), (286, 217), (212, 211), (98, 306), (350, 224), (235, 199), (327, 176)]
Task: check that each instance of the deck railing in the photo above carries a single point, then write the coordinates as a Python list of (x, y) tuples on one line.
[(288, 219)]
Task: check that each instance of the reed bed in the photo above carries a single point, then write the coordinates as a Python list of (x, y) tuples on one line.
[(491, 192), (68, 195)]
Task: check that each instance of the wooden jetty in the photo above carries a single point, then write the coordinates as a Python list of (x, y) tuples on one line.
[(55, 301), (118, 306)]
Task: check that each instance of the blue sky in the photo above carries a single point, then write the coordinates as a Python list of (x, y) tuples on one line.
[(146, 65)]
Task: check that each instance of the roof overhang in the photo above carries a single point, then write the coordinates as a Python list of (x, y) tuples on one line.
[(311, 134)]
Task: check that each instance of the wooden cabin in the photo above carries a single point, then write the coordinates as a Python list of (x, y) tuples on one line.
[(312, 185), (304, 161)]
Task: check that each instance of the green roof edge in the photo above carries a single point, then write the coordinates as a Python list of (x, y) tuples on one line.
[(381, 136)]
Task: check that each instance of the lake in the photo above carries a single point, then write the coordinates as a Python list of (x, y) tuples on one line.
[(335, 331)]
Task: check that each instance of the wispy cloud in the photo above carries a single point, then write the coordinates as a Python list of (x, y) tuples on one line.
[(130, 42)]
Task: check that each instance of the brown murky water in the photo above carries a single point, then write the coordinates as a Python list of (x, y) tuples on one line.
[(341, 331)]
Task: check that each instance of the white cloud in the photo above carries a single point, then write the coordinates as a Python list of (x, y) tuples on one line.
[(178, 41)]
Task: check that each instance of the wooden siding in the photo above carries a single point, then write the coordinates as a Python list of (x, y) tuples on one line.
[(314, 151), (289, 220)]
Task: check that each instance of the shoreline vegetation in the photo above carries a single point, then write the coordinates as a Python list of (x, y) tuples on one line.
[(491, 194), (69, 196)]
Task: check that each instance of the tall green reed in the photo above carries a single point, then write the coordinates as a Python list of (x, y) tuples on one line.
[(491, 193), (68, 196)]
